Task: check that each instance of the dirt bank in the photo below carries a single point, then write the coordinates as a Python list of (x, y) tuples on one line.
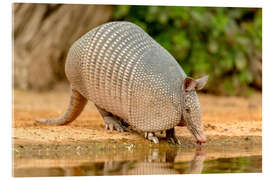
[(227, 120)]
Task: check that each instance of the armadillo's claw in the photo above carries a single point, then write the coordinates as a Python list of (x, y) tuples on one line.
[(171, 140), (177, 140), (171, 137), (174, 140), (112, 123), (151, 136), (145, 135)]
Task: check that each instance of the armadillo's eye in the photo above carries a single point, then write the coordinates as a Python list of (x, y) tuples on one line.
[(187, 110)]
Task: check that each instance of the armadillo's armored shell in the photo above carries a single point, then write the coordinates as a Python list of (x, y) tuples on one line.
[(124, 71)]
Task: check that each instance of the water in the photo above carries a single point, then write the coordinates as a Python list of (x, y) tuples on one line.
[(132, 159)]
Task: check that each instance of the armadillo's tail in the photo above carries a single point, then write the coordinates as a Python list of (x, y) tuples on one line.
[(76, 105)]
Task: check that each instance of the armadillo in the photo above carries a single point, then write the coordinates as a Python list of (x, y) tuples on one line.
[(133, 81)]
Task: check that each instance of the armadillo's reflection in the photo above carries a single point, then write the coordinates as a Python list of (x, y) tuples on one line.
[(196, 165), (156, 163)]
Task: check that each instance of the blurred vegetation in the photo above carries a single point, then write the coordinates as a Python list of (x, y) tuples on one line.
[(234, 165), (218, 41)]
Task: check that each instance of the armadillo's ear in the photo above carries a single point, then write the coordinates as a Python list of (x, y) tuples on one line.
[(189, 84), (201, 82)]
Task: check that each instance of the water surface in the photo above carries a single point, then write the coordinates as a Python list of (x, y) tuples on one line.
[(132, 159)]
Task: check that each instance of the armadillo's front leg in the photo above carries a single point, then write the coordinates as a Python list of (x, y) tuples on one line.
[(112, 122), (151, 136), (76, 105), (171, 137)]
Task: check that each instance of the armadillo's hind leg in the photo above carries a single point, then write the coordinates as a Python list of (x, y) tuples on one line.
[(171, 137), (76, 105), (112, 122), (151, 136)]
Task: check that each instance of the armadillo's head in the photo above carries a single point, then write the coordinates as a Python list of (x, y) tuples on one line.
[(191, 110)]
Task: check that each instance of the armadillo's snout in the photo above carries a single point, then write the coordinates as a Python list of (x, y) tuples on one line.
[(201, 140)]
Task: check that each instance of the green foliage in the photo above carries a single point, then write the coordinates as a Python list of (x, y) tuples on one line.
[(218, 41), (233, 165)]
